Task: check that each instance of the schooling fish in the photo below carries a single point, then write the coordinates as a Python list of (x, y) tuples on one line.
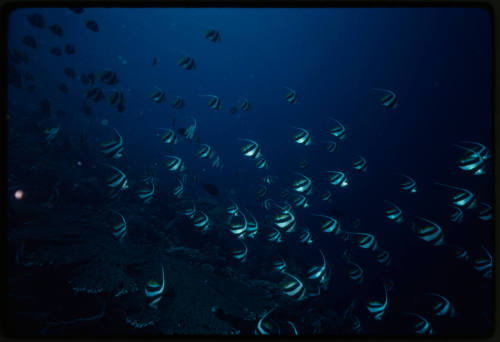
[(57, 30), (293, 288), (360, 164), (117, 180), (464, 199), (327, 196), (239, 228), (389, 99), (113, 148), (383, 257), (457, 214), (306, 237), (316, 272), (339, 130), (107, 77), (253, 226), (266, 328), (36, 20), (30, 41), (291, 96), (394, 213), (205, 151), (245, 105), (300, 201), (146, 193), (421, 325), (486, 213), (376, 307), (279, 264), (331, 146), (95, 94), (179, 189), (191, 211), (262, 163), (443, 307), (338, 178), (188, 132), (186, 63), (154, 291), (120, 229), (201, 221), (51, 133), (302, 185), (330, 225), (175, 164), (269, 179), (356, 273), (92, 25), (429, 232), (240, 254), (169, 137), (286, 221), (214, 101), (366, 241), (302, 137), (274, 236), (484, 265), (410, 185), (178, 103), (212, 35), (251, 150), (116, 99)]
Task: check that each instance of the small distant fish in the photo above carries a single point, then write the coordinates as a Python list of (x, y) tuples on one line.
[(429, 232), (266, 328), (331, 146), (118, 180), (360, 164), (464, 198), (317, 272), (356, 273), (107, 77), (274, 236), (291, 96), (394, 213), (157, 95), (36, 20), (306, 237), (95, 94), (51, 133), (303, 184), (30, 41), (443, 307), (389, 99), (410, 185), (383, 257), (279, 264), (205, 151), (252, 149), (92, 25), (214, 102), (191, 211), (300, 201), (484, 265), (269, 179), (120, 229), (245, 105), (216, 163), (376, 307), (179, 189), (262, 163), (154, 61), (212, 35), (261, 191), (87, 78), (63, 87), (169, 137), (338, 131), (240, 254), (331, 225), (294, 288), (458, 215), (57, 30), (69, 72), (253, 226), (76, 10), (55, 51), (178, 103), (154, 291), (338, 178), (201, 221), (486, 213), (285, 221), (421, 325), (302, 137), (146, 193), (461, 253), (69, 49), (186, 63), (327, 196), (116, 99), (366, 241), (175, 164)]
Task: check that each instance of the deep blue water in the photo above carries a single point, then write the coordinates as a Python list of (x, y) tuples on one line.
[(437, 61)]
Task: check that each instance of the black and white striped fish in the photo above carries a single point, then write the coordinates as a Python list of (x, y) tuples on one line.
[(146, 193), (383, 257), (294, 288), (360, 164), (327, 196), (394, 213), (443, 307), (306, 237), (457, 214), (251, 150), (214, 102), (175, 164), (239, 228), (169, 137), (291, 96), (179, 189), (201, 221), (421, 326), (241, 253), (266, 327), (191, 211), (120, 229), (245, 105), (154, 291), (212, 35), (410, 185), (186, 63), (279, 264), (303, 184), (253, 225), (464, 199), (484, 265), (274, 236), (339, 130), (376, 307), (429, 232), (389, 99), (338, 178), (205, 151), (113, 148), (157, 95), (262, 163), (366, 241), (300, 201), (331, 146), (330, 225), (177, 103), (302, 137), (486, 212), (286, 221), (316, 272), (118, 180)]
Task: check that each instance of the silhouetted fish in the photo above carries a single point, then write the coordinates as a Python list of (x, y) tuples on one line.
[(211, 189)]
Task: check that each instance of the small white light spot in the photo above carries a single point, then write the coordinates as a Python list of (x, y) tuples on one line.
[(19, 194)]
